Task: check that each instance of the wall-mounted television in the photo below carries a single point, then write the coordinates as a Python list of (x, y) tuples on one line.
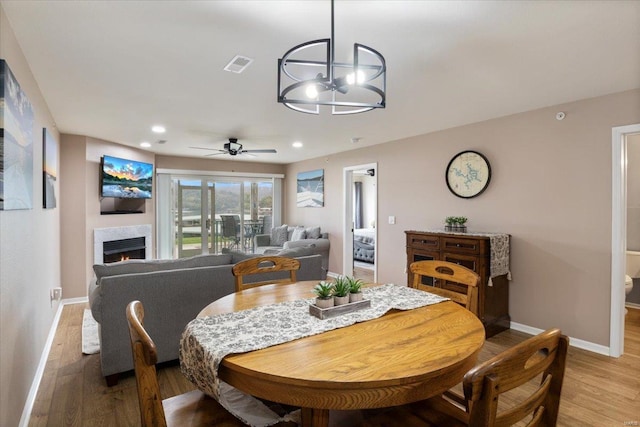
[(125, 179)]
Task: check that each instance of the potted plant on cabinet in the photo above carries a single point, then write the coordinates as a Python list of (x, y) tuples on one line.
[(460, 224), (456, 224), (341, 290), (355, 289), (324, 294), (450, 222)]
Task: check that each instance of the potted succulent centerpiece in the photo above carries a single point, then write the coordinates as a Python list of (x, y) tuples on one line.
[(343, 296), (324, 294), (355, 289), (341, 290)]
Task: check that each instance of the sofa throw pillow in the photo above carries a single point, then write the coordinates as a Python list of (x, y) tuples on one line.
[(279, 235), (299, 233), (313, 232), (298, 252)]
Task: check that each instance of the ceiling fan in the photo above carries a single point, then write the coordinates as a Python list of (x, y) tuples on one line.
[(234, 148)]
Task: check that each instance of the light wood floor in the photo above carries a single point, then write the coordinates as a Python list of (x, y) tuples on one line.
[(365, 274), (598, 390)]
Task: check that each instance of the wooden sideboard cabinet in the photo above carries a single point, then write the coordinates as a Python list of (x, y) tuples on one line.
[(474, 252)]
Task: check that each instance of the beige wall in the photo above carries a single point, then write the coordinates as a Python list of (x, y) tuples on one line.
[(29, 257), (550, 189), (80, 156)]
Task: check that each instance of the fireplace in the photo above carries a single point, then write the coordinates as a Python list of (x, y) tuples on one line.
[(123, 249), (111, 242)]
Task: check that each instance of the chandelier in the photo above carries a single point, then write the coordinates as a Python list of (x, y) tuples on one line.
[(309, 77)]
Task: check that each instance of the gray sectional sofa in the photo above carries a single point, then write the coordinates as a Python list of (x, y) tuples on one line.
[(172, 292), (287, 237)]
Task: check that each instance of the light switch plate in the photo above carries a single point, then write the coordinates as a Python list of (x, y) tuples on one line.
[(392, 219)]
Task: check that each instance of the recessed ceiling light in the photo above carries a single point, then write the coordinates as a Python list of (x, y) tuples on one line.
[(158, 129), (145, 144), (297, 144)]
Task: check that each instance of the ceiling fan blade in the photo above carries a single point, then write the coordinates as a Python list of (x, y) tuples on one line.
[(270, 150), (216, 154), (203, 148)]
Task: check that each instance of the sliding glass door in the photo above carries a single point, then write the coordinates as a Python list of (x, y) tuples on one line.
[(193, 209), (213, 215)]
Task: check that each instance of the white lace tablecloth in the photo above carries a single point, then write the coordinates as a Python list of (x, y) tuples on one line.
[(207, 340), (499, 259)]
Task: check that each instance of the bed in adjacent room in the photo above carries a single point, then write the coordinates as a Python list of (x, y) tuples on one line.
[(364, 245)]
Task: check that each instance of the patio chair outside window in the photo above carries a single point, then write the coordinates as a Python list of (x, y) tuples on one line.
[(231, 235)]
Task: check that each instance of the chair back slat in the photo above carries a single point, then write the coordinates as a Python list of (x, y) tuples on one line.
[(513, 415), (264, 265), (145, 357), (543, 354), (449, 272)]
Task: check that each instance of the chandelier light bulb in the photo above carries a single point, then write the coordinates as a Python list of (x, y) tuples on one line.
[(311, 91), (351, 78)]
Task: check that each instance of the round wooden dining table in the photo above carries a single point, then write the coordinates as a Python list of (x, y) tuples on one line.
[(401, 357)]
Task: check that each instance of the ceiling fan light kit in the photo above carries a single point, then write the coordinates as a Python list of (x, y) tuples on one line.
[(309, 77)]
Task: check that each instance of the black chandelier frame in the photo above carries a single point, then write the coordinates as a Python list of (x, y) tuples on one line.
[(326, 80)]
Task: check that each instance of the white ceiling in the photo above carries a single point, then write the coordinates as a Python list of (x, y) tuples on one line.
[(111, 69)]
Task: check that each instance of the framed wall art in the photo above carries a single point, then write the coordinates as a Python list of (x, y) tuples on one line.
[(310, 189), (16, 143), (49, 169)]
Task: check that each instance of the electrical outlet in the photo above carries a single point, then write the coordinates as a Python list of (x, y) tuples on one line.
[(56, 294)]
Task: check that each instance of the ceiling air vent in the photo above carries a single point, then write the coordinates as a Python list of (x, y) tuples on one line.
[(238, 64)]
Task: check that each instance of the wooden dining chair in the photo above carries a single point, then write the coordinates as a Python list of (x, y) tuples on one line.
[(450, 272), (262, 265), (185, 410), (189, 409), (515, 370)]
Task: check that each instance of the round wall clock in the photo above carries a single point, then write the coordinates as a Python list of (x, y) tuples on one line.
[(468, 174)]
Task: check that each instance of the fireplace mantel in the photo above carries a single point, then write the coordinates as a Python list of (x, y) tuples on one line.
[(101, 235)]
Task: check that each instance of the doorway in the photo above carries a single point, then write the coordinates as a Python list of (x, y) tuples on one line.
[(618, 235), (360, 231)]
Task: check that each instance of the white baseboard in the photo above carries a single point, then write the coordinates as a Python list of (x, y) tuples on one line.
[(573, 342), (632, 305), (33, 391)]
